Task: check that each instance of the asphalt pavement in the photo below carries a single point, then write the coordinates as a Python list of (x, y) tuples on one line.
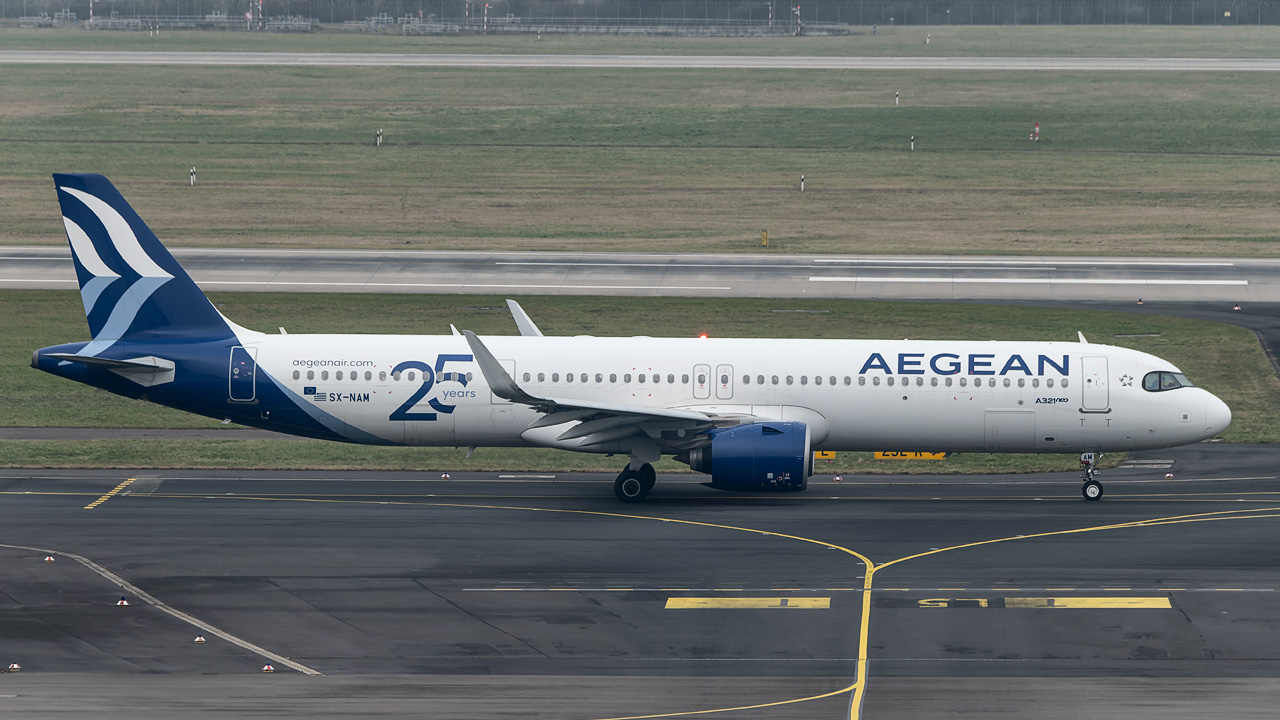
[(485, 595)]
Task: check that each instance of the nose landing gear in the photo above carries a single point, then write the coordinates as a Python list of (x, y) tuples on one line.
[(634, 485), (1092, 489)]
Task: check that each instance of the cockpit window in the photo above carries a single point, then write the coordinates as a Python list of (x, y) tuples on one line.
[(1161, 381)]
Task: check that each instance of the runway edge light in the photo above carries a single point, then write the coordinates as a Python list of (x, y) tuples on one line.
[(123, 602), (48, 559), (199, 640), (268, 668), (15, 667)]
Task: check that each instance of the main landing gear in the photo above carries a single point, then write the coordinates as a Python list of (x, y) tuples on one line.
[(634, 485), (1092, 489)]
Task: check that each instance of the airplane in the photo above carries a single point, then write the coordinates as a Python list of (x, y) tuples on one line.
[(750, 413)]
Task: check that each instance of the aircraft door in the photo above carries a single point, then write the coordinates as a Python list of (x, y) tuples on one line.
[(724, 382), (1096, 396), (701, 382), (242, 374), (1010, 430)]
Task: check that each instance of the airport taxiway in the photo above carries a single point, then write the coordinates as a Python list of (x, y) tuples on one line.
[(1058, 279), (482, 596)]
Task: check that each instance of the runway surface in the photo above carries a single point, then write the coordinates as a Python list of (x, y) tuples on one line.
[(1064, 279), (486, 596), (1060, 64)]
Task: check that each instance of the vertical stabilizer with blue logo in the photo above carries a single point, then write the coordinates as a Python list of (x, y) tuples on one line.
[(131, 286)]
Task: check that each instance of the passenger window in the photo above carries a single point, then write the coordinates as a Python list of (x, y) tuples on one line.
[(296, 374), (368, 375), (948, 381), (324, 374), (933, 381), (527, 378), (702, 380), (1048, 382), (759, 379), (804, 379), (542, 377), (746, 379), (582, 377), (411, 375), (790, 380), (919, 382), (964, 381), (817, 379), (1035, 382), (338, 376), (833, 380), (724, 379), (671, 378), (774, 379), (395, 376), (599, 377), (470, 377), (848, 380), (555, 377), (1064, 382), (1022, 382), (626, 378), (684, 379), (382, 375), (889, 380), (640, 378), (311, 374), (862, 379), (613, 377)]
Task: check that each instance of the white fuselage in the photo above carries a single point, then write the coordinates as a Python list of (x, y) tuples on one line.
[(852, 394)]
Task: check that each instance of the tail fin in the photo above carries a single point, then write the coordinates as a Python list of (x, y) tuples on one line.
[(131, 286)]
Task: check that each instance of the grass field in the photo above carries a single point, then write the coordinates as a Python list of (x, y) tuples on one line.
[(669, 160), (945, 41), (1224, 359)]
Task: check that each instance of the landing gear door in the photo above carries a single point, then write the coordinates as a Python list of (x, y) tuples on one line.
[(724, 382), (701, 382), (1096, 396), (242, 383)]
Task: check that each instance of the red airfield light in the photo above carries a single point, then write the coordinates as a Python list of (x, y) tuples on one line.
[(702, 336)]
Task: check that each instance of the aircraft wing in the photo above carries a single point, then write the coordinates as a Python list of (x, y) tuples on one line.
[(600, 422)]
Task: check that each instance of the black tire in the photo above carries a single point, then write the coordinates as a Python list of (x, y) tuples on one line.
[(1092, 490), (630, 487)]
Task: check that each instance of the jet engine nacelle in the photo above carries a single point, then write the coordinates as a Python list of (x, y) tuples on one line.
[(768, 456)]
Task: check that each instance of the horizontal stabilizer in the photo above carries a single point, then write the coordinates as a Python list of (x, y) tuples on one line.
[(150, 364)]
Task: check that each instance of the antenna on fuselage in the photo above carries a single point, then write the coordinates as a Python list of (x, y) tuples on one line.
[(1081, 336)]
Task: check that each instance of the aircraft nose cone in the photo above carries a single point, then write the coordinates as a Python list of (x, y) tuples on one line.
[(1217, 416)]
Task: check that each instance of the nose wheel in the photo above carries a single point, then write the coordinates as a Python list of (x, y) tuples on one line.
[(1092, 490), (634, 485)]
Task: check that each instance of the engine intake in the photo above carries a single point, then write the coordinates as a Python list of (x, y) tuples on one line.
[(768, 456)]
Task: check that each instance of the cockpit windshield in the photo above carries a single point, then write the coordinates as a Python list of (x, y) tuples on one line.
[(1161, 381)]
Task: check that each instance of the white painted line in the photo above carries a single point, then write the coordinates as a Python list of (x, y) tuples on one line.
[(717, 266), (526, 477), (31, 280), (461, 285), (159, 604), (1190, 264), (1028, 281)]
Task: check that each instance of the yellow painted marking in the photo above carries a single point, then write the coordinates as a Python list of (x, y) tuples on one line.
[(1096, 603), (706, 603), (910, 455), (111, 494)]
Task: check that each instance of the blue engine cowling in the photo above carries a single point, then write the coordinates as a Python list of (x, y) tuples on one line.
[(768, 456)]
